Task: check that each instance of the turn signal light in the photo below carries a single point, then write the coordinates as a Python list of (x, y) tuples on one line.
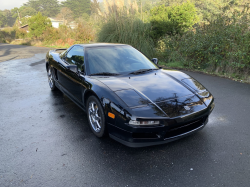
[(111, 115)]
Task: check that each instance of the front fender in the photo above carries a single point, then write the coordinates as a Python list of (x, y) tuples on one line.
[(109, 100), (192, 84)]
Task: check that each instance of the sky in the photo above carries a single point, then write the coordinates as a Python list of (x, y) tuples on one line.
[(9, 4)]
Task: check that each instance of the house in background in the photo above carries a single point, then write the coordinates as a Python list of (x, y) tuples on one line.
[(25, 28), (56, 23), (72, 25)]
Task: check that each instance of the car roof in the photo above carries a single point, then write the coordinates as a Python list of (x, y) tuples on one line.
[(101, 44)]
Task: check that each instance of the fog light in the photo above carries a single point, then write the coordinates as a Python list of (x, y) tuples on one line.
[(133, 122)]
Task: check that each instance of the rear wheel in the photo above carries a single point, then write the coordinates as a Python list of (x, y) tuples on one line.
[(96, 116), (51, 79)]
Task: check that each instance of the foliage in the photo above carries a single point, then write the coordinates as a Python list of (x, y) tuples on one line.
[(27, 11), (21, 34), (6, 18), (46, 7), (38, 24), (24, 11), (223, 46), (119, 7), (3, 20), (7, 35), (219, 42), (23, 21), (78, 7), (128, 30), (65, 36), (65, 14), (84, 33), (95, 7), (121, 24), (208, 10), (172, 20)]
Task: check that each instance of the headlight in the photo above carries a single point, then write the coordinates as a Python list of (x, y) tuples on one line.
[(195, 85), (133, 122)]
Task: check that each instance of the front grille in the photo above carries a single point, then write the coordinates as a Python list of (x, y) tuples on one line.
[(176, 131)]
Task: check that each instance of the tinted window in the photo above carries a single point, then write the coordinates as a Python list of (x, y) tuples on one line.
[(116, 59), (76, 56)]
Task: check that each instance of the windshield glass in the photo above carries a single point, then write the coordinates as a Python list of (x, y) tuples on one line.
[(116, 59)]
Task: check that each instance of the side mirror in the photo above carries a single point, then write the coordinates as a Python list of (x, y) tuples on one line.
[(155, 61), (72, 68)]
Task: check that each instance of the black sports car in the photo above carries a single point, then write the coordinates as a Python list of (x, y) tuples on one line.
[(127, 96)]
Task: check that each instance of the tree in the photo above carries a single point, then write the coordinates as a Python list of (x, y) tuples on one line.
[(95, 7), (172, 20), (3, 20), (209, 10), (22, 12), (38, 24), (18, 15), (79, 7), (46, 7), (27, 11), (6, 18), (65, 14)]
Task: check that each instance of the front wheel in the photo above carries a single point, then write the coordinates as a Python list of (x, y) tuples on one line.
[(96, 116), (51, 79)]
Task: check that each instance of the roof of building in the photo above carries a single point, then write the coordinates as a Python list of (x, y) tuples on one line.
[(23, 26)]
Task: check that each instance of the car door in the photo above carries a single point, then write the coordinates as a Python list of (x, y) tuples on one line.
[(70, 80)]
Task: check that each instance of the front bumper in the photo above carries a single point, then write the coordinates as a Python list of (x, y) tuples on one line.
[(169, 130)]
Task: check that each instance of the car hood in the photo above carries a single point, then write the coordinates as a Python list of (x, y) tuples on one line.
[(156, 85), (157, 91)]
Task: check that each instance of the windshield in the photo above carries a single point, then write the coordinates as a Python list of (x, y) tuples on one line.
[(116, 59)]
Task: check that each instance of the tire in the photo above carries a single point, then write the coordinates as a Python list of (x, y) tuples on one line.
[(51, 79), (96, 117)]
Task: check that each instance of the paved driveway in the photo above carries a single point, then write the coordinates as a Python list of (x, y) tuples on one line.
[(45, 139)]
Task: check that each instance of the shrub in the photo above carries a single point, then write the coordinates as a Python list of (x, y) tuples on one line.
[(171, 20), (51, 35), (84, 33), (223, 46), (128, 30), (21, 34), (38, 24), (7, 35), (65, 36)]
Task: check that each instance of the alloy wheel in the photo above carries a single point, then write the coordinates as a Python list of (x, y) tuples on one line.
[(50, 78), (94, 116)]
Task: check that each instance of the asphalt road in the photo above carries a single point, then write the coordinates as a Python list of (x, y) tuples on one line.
[(11, 52), (45, 139)]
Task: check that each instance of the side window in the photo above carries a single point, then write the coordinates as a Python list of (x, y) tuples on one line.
[(76, 56)]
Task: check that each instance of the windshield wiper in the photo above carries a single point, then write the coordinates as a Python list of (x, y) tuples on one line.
[(141, 71), (105, 73)]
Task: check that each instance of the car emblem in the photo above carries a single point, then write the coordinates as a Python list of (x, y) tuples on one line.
[(186, 107)]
